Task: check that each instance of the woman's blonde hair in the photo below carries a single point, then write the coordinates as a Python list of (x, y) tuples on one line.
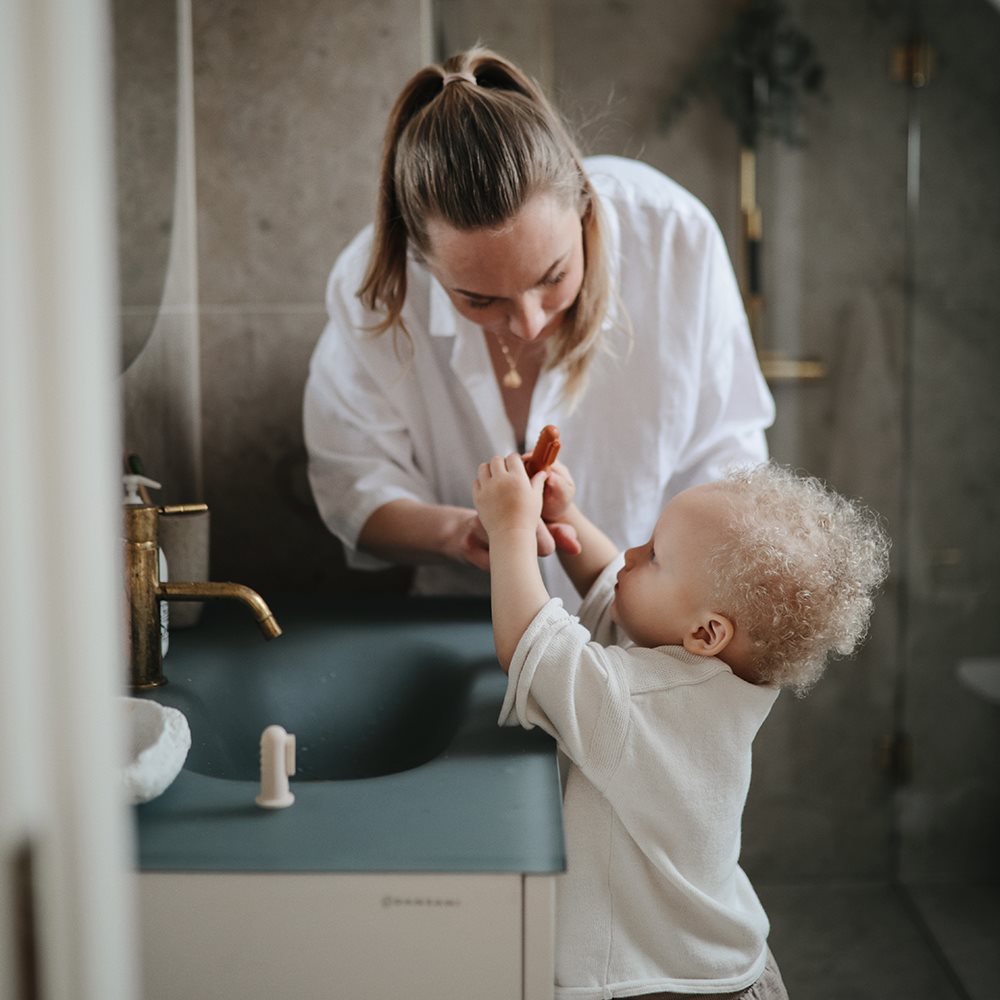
[(799, 569), (472, 154)]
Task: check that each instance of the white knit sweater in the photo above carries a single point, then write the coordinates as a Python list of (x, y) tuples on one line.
[(659, 747)]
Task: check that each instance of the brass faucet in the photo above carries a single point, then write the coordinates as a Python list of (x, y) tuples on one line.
[(145, 591)]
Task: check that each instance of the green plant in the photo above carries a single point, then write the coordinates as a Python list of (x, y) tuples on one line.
[(761, 71)]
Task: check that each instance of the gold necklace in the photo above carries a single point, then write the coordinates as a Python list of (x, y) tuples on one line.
[(512, 380)]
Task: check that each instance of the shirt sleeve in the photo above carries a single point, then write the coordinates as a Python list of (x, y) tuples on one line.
[(595, 609), (734, 406), (360, 452), (570, 687)]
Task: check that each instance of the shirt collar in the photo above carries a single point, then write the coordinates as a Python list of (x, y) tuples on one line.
[(613, 256), (443, 320)]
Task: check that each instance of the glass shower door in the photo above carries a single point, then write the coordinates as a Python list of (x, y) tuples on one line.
[(948, 809)]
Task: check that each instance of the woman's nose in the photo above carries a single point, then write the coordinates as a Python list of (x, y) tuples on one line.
[(527, 319)]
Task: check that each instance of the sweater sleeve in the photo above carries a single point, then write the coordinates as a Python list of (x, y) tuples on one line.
[(570, 687), (595, 609)]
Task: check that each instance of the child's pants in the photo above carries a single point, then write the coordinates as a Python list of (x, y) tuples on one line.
[(768, 987)]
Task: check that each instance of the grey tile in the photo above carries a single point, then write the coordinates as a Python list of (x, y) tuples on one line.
[(615, 64), (819, 804), (291, 102), (145, 60), (965, 921), (253, 450), (950, 808), (858, 941), (266, 531)]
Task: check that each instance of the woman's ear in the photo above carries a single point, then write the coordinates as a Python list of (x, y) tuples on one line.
[(710, 636)]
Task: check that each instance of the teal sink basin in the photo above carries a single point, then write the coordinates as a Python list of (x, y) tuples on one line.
[(362, 702), (400, 764)]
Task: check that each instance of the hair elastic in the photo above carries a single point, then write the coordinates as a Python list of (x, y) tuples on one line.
[(452, 77)]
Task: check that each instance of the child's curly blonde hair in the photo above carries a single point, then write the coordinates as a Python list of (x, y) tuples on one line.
[(799, 571)]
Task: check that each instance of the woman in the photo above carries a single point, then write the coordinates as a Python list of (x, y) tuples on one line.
[(507, 284)]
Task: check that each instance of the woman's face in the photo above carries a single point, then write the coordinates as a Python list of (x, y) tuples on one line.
[(518, 280)]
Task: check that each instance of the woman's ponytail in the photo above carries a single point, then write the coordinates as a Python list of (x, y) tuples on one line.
[(470, 142)]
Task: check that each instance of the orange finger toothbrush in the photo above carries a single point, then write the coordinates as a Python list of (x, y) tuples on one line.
[(541, 459)]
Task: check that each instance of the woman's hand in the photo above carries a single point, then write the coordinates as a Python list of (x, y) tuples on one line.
[(474, 543)]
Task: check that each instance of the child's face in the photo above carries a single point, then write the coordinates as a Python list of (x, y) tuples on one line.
[(664, 589)]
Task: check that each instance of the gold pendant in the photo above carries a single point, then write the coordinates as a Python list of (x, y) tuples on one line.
[(512, 380)]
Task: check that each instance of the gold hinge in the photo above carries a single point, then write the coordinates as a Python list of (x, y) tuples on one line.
[(896, 757), (912, 63)]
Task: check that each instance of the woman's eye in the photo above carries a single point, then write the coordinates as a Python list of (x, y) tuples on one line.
[(479, 303), (554, 279)]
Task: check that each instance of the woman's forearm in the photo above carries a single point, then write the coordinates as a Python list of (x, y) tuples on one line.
[(413, 533)]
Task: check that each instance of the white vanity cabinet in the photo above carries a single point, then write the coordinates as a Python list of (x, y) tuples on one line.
[(420, 856), (345, 936)]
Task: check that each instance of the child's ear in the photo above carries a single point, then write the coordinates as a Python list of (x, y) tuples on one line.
[(710, 636)]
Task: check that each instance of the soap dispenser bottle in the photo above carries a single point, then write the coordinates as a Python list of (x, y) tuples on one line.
[(132, 481)]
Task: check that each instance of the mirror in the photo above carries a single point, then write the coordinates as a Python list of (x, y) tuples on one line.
[(145, 99)]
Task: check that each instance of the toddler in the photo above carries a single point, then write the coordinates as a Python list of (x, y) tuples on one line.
[(655, 694)]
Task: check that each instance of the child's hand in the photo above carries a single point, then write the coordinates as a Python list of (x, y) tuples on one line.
[(504, 496)]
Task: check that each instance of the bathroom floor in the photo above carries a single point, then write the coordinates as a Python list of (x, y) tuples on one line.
[(871, 941)]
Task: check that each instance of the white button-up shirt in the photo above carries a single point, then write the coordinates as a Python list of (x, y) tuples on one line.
[(673, 405)]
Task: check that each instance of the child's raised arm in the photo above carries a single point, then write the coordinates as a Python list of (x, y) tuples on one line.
[(584, 550), (596, 550), (509, 506)]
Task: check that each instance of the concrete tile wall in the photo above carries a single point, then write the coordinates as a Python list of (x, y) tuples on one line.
[(521, 30), (161, 397), (291, 104), (617, 62), (145, 60)]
